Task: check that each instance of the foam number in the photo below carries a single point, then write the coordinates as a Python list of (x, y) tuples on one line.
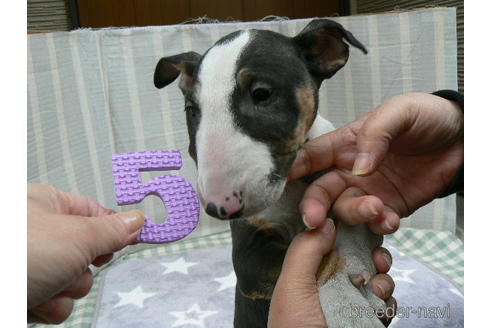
[(178, 195)]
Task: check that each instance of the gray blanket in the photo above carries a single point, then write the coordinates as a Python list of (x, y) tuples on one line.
[(196, 289)]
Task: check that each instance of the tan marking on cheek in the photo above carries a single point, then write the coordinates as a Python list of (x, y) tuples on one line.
[(329, 267), (305, 99)]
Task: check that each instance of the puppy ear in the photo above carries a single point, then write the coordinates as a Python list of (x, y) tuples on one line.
[(321, 42), (169, 68)]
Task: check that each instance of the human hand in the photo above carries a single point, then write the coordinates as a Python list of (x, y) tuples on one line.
[(66, 233), (295, 300), (384, 165)]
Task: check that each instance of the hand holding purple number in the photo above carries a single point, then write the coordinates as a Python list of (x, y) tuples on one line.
[(178, 195)]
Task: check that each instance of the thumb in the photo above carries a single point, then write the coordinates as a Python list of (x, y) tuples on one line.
[(295, 300), (315, 155), (384, 125), (110, 233), (304, 256)]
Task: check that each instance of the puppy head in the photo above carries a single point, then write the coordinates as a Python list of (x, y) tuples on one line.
[(250, 101)]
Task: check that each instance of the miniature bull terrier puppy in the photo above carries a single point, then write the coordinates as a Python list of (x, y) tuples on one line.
[(251, 102)]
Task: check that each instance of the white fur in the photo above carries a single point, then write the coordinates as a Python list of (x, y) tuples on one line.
[(320, 126), (228, 160)]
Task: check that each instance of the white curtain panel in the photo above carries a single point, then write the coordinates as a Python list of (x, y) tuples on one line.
[(91, 94)]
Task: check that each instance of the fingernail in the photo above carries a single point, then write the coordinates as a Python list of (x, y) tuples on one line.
[(387, 259), (362, 164), (383, 292), (305, 222), (329, 226), (133, 220), (387, 225), (383, 287), (372, 208)]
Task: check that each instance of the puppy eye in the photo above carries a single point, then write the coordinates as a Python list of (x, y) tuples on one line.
[(260, 92)]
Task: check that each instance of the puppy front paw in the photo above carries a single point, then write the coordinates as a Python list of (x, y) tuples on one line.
[(348, 301)]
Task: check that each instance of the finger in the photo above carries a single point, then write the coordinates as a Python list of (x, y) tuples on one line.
[(353, 206), (386, 123), (296, 288), (305, 253), (319, 197), (387, 223), (382, 259), (55, 310), (382, 285), (110, 233), (103, 259), (315, 155), (80, 205), (80, 287)]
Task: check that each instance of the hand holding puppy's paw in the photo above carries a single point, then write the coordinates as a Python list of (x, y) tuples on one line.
[(356, 295), (316, 288)]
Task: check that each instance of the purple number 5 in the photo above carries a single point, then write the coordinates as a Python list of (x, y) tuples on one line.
[(178, 195)]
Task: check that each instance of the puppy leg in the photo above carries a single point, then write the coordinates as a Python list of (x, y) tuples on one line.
[(250, 313), (257, 255), (344, 304)]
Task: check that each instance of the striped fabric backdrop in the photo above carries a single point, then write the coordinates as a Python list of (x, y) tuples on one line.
[(91, 94)]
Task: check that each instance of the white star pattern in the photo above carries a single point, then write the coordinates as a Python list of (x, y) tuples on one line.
[(192, 316), (402, 275), (227, 281), (136, 297), (180, 265)]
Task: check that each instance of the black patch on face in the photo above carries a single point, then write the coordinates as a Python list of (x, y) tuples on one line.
[(265, 106)]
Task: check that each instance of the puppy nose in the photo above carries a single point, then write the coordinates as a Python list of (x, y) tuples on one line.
[(211, 210), (221, 213)]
